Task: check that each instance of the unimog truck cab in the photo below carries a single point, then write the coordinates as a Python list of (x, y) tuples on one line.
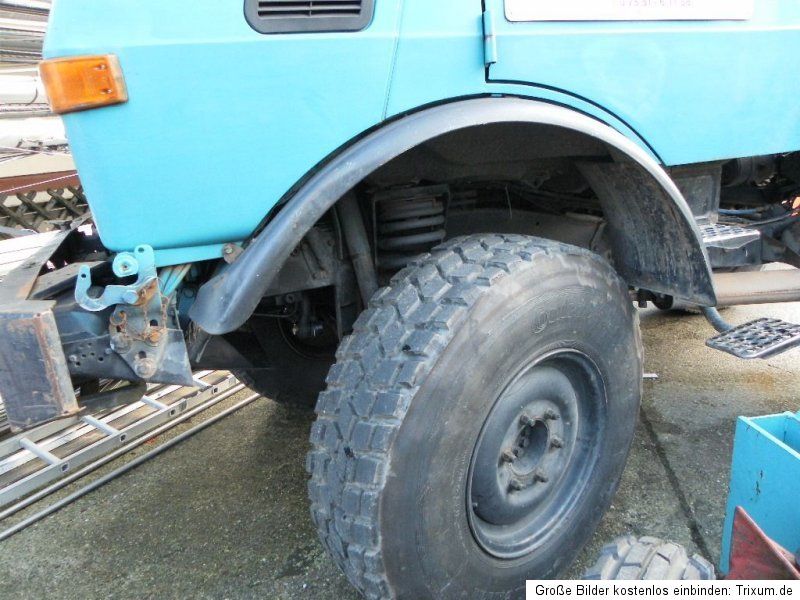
[(430, 220)]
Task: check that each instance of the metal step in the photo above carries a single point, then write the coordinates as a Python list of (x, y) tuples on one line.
[(34, 458), (728, 237), (761, 338)]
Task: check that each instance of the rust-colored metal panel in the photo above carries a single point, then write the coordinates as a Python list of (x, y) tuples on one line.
[(754, 556), (34, 378), (20, 184)]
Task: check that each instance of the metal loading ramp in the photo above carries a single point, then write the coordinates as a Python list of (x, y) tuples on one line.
[(76, 445)]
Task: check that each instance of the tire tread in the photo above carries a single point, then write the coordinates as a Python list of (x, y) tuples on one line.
[(394, 345), (649, 558)]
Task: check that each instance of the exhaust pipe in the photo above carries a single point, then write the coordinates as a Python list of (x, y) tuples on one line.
[(757, 287)]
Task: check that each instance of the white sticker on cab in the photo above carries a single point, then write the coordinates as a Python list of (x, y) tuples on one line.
[(629, 10)]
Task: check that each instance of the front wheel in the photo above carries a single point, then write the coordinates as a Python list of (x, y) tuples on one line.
[(477, 422)]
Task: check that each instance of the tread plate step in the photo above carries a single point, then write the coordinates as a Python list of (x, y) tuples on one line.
[(728, 236), (761, 338)]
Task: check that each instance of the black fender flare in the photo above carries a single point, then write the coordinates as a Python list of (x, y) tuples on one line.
[(656, 242)]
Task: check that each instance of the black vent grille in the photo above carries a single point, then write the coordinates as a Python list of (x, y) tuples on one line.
[(292, 16), (270, 9)]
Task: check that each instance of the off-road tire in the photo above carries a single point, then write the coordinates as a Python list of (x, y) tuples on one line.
[(397, 391), (651, 558)]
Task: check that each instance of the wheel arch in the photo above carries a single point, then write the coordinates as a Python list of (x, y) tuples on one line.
[(652, 230)]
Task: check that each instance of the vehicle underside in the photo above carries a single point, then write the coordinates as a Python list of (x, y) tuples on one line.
[(492, 179)]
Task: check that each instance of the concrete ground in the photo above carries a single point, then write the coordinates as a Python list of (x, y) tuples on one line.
[(224, 515)]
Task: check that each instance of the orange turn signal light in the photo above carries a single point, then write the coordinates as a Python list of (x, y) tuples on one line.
[(82, 82)]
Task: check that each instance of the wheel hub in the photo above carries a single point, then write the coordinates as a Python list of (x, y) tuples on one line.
[(522, 451), (530, 448)]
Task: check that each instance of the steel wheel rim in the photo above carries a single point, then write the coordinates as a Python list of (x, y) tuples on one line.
[(535, 452)]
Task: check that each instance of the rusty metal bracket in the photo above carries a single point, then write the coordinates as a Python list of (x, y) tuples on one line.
[(140, 262), (147, 335), (143, 329)]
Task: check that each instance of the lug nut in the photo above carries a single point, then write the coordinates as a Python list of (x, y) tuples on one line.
[(508, 456), (516, 485), (540, 476), (556, 442), (551, 415), (526, 420)]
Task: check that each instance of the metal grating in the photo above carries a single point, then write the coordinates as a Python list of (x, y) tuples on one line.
[(761, 338), (40, 210), (296, 16)]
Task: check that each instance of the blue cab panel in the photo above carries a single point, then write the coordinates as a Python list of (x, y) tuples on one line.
[(697, 91), (223, 121)]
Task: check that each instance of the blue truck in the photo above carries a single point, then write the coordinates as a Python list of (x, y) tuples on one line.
[(432, 221)]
